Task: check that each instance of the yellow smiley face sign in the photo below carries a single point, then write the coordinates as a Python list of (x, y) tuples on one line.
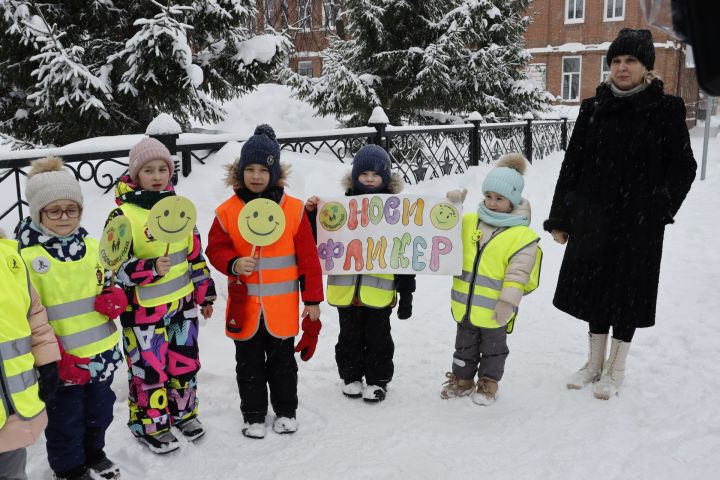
[(115, 243), (172, 219), (261, 222), (444, 216)]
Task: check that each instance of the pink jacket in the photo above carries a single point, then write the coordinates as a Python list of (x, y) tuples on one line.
[(17, 433)]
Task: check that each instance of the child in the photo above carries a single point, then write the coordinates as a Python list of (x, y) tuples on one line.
[(262, 312), (26, 342), (365, 346), (64, 266), (499, 253), (164, 285)]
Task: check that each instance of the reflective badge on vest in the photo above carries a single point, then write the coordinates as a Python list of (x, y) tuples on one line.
[(41, 264), (13, 263), (99, 276)]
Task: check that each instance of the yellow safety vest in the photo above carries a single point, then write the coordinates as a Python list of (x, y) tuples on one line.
[(18, 380), (68, 291), (484, 272), (373, 290), (176, 284)]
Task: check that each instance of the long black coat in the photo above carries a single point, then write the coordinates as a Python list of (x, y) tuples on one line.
[(627, 170)]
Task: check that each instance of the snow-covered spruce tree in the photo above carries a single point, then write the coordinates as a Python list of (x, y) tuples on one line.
[(72, 70), (417, 57)]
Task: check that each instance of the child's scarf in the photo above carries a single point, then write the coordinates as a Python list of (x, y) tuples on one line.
[(499, 219)]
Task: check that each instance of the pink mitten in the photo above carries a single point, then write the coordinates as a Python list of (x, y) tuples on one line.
[(111, 302)]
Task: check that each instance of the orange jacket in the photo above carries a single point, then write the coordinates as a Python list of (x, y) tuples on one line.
[(273, 288)]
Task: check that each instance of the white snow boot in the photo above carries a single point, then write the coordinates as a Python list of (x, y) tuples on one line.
[(353, 389), (374, 393), (254, 430), (592, 369), (614, 372), (285, 425)]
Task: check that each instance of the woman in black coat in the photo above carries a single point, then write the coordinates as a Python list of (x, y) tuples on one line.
[(627, 170)]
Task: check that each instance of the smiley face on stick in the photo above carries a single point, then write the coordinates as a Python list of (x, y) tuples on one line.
[(261, 222), (172, 219)]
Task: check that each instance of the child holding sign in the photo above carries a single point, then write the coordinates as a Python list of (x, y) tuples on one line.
[(501, 263), (265, 282), (64, 266), (164, 283), (365, 346)]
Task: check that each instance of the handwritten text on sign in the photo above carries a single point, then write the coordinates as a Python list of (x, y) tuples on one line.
[(389, 234)]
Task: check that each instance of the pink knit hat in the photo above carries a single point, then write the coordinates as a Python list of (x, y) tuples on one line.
[(147, 150)]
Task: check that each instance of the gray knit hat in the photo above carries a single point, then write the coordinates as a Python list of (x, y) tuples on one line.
[(507, 178), (147, 150), (49, 181)]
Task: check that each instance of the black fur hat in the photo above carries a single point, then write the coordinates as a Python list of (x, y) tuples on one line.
[(638, 43)]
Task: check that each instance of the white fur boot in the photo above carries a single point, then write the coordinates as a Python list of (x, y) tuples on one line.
[(614, 372), (592, 369)]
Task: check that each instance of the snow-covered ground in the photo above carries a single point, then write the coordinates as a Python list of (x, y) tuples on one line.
[(664, 425)]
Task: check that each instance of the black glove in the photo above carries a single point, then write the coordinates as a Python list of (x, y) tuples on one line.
[(47, 381), (404, 310)]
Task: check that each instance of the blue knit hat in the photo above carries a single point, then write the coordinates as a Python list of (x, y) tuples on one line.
[(262, 148), (507, 178), (371, 158)]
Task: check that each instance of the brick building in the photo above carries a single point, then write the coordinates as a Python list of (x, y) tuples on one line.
[(568, 40)]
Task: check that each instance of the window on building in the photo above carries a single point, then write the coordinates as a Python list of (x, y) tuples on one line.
[(571, 78), (614, 10), (574, 11), (604, 69), (537, 72), (276, 14), (304, 14), (305, 69), (329, 13)]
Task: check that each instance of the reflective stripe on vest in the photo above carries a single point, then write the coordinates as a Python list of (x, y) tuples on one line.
[(272, 286), (175, 284), (373, 290), (18, 383), (68, 289), (15, 348), (484, 271)]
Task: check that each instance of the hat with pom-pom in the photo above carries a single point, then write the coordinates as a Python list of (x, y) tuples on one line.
[(262, 148), (49, 181), (371, 158), (507, 178), (147, 150)]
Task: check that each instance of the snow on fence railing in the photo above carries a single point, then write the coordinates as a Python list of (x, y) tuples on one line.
[(418, 152)]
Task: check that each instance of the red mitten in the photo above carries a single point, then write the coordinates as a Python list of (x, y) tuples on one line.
[(111, 302), (73, 369), (237, 295), (308, 341)]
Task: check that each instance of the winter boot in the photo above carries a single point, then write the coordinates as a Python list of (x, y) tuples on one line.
[(104, 469), (614, 372), (374, 393), (254, 430), (353, 389), (79, 473), (160, 443), (191, 429), (486, 391), (456, 387), (591, 371), (285, 425)]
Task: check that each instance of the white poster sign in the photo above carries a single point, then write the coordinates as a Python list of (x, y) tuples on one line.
[(387, 233)]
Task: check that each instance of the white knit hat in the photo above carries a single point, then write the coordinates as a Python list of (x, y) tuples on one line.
[(147, 150), (49, 181)]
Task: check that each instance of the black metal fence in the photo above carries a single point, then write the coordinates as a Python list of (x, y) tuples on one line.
[(418, 153)]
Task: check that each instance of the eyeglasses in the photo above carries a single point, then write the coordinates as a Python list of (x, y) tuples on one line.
[(57, 213)]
